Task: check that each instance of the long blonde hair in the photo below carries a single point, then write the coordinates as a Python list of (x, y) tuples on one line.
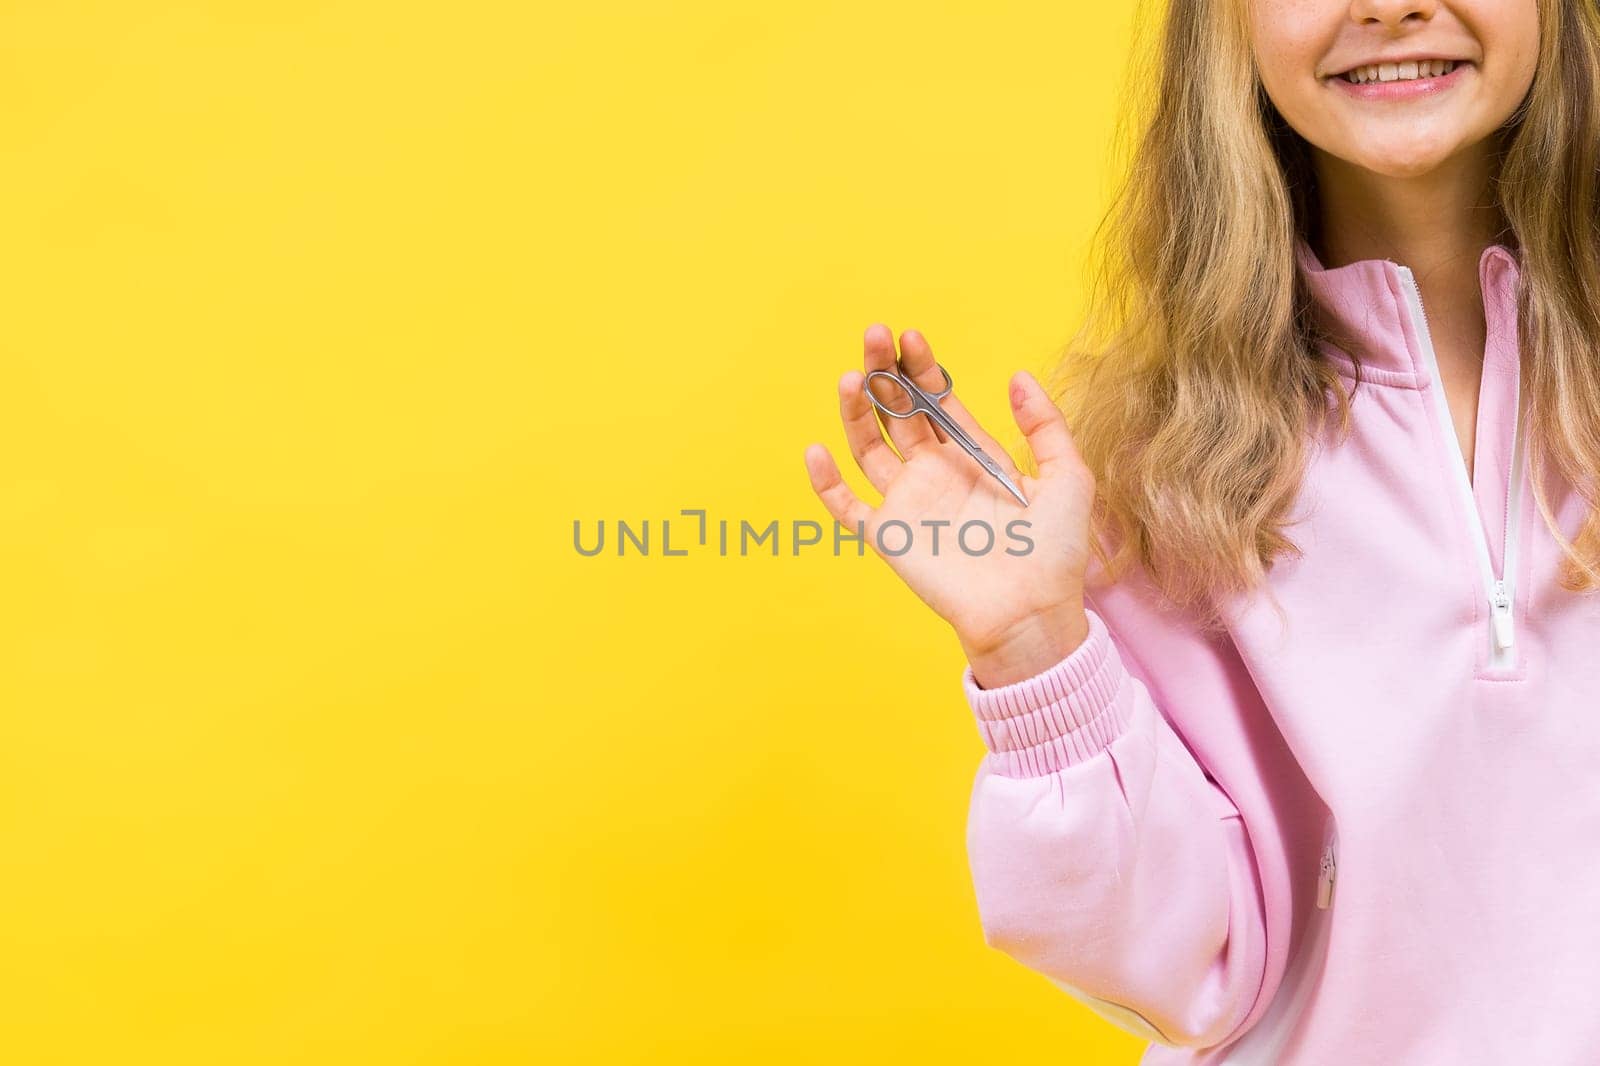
[(1193, 389)]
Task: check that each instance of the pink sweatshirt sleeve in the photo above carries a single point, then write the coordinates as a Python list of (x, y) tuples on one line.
[(1105, 858)]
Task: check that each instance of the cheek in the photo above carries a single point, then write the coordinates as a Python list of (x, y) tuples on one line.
[(1283, 38), (1526, 60), (1510, 31), (1301, 99), (1288, 37)]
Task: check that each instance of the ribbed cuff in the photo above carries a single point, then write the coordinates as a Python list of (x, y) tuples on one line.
[(1058, 718)]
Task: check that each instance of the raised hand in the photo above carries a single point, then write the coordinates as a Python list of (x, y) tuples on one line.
[(1008, 579)]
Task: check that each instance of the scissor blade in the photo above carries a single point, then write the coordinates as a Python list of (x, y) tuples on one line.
[(1010, 486), (970, 446)]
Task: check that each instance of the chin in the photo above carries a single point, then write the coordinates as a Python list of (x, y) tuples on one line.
[(1408, 159)]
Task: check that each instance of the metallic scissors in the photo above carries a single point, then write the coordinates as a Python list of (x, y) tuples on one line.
[(919, 401)]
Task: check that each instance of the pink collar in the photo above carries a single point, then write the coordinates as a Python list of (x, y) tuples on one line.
[(1366, 304)]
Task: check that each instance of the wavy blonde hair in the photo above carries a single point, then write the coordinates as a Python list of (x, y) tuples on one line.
[(1193, 389)]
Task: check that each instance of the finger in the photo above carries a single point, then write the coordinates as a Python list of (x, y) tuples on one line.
[(1043, 424), (908, 434), (916, 362), (916, 355), (845, 506), (873, 454)]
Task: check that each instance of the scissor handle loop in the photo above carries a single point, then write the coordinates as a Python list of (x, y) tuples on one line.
[(913, 392), (898, 382)]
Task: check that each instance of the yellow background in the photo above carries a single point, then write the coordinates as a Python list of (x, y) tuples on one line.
[(322, 322)]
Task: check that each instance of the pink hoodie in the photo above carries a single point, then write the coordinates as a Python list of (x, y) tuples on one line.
[(1371, 835)]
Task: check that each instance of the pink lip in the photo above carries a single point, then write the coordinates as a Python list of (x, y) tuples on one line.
[(1413, 89)]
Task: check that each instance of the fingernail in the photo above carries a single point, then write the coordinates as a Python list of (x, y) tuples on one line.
[(1018, 394)]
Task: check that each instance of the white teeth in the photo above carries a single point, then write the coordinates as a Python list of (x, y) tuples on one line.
[(1408, 71)]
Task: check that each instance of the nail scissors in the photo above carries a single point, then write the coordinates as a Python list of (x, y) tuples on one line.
[(919, 401)]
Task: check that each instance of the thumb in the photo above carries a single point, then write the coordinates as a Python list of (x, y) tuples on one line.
[(1043, 424)]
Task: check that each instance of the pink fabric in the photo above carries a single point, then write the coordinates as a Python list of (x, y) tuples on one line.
[(1147, 827)]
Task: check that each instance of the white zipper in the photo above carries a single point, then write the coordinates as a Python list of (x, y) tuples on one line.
[(1499, 589)]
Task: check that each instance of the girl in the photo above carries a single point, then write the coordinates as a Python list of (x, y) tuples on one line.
[(1308, 769)]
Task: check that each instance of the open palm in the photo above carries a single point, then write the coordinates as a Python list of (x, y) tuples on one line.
[(1005, 577)]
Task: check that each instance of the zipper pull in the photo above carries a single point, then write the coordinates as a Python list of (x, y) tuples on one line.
[(1325, 879), (1500, 605)]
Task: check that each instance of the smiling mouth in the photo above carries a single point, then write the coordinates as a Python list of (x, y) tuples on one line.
[(1412, 70)]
